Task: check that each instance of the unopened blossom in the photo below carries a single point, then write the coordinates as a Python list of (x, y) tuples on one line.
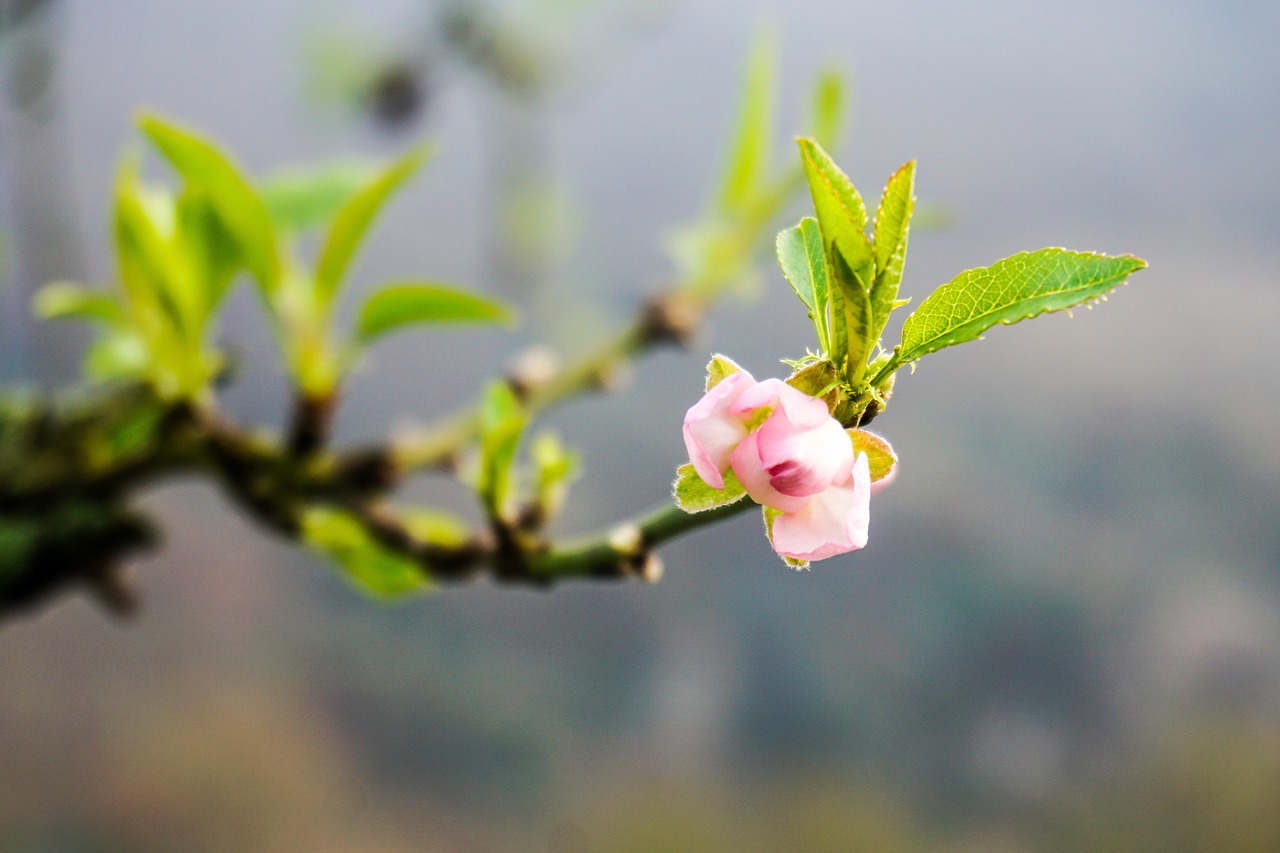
[(789, 454)]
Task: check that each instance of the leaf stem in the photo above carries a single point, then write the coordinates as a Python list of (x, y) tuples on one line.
[(885, 372)]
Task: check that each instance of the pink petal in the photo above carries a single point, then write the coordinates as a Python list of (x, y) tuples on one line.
[(751, 472), (804, 461), (711, 429), (832, 522), (803, 411)]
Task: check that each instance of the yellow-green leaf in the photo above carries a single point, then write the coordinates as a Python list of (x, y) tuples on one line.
[(235, 199), (893, 220), (411, 303), (65, 300), (355, 217), (502, 423), (852, 321), (369, 565), (842, 216)]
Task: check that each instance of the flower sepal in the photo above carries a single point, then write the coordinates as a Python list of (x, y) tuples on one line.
[(693, 494), (819, 379), (880, 456), (720, 368)]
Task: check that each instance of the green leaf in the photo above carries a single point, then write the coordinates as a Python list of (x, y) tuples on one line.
[(411, 303), (370, 566), (1017, 288), (880, 455), (803, 262), (834, 196), (502, 421), (158, 294), (555, 467), (770, 515), (853, 335), (827, 108), (298, 199), (354, 219), (693, 494), (64, 300), (893, 220), (749, 159), (213, 252), (239, 205), (720, 367), (842, 216)]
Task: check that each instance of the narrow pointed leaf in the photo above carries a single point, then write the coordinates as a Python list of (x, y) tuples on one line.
[(893, 220), (693, 494), (354, 219), (749, 159), (146, 264), (502, 422), (64, 300), (214, 253), (555, 467), (1017, 288), (842, 216), (803, 262), (852, 318), (834, 196), (409, 303), (234, 198)]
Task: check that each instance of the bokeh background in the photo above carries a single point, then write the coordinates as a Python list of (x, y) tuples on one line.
[(1065, 632)]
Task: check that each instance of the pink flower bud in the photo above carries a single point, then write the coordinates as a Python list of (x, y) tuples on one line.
[(789, 454)]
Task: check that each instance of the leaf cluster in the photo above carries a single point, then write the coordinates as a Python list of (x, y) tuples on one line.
[(848, 278), (180, 250)]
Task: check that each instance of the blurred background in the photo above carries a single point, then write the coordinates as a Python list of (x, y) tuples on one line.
[(1065, 632)]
